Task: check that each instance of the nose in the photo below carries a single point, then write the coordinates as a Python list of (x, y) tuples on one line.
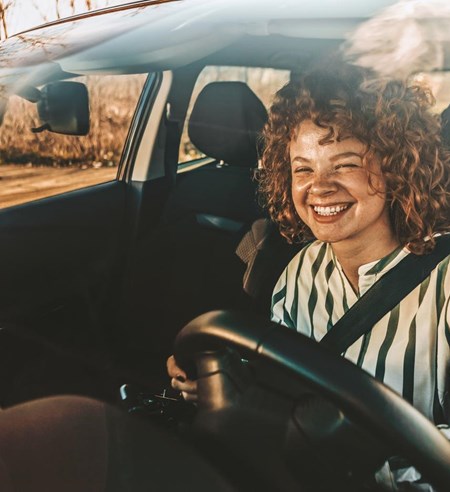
[(322, 184)]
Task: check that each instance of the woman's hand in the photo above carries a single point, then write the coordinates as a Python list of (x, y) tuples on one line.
[(180, 381)]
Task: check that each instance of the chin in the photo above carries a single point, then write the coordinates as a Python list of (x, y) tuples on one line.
[(327, 237)]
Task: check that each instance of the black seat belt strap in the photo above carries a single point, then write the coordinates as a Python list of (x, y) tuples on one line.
[(384, 295)]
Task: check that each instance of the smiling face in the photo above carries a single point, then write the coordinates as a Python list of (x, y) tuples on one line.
[(332, 194)]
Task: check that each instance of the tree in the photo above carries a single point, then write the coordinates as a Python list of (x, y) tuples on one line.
[(48, 10), (4, 6), (87, 3), (67, 7)]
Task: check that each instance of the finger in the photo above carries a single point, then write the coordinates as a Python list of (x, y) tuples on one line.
[(192, 397), (187, 386), (174, 370)]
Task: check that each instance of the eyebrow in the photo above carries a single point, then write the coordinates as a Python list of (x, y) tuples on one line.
[(334, 158), (300, 158), (345, 154)]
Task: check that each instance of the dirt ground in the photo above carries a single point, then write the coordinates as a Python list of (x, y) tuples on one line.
[(23, 183)]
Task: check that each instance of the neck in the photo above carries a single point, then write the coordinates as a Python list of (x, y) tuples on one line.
[(352, 258)]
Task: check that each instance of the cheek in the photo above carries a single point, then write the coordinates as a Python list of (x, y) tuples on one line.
[(376, 181), (376, 192), (298, 190), (374, 200), (367, 189), (381, 204), (298, 194)]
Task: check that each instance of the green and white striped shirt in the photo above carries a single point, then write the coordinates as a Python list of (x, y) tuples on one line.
[(408, 349)]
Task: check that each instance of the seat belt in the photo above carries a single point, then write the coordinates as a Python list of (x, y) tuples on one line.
[(384, 295)]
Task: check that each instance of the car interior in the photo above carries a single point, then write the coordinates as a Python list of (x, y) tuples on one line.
[(217, 247), (144, 254), (118, 269)]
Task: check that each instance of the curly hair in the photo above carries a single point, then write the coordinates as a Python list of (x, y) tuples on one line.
[(393, 119)]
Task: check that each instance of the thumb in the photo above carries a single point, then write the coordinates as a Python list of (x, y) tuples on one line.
[(174, 370)]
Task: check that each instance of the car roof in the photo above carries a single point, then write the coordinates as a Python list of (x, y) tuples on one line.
[(158, 35)]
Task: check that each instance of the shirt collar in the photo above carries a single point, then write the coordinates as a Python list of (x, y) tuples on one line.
[(384, 264), (369, 273)]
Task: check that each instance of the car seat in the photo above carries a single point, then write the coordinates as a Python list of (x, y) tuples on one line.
[(226, 124), (212, 207)]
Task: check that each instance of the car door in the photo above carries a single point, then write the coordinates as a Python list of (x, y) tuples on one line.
[(64, 230)]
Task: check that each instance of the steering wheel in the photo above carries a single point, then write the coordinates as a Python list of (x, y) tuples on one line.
[(379, 410)]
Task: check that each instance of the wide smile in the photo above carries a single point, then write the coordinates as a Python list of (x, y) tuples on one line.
[(331, 210), (329, 214)]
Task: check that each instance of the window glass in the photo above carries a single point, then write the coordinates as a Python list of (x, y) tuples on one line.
[(439, 83), (263, 81), (38, 165)]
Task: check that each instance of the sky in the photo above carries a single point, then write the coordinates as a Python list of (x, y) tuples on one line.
[(23, 14)]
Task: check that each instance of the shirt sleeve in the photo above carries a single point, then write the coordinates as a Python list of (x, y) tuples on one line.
[(279, 298), (279, 312), (283, 297)]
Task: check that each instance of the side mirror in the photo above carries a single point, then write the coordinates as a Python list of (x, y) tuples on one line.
[(63, 107)]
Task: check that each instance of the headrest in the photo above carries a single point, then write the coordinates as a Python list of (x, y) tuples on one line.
[(226, 121)]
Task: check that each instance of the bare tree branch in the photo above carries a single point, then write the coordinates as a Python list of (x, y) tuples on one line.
[(41, 13), (4, 6), (58, 13)]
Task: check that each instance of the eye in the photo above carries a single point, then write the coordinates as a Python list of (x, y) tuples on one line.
[(347, 165), (302, 170)]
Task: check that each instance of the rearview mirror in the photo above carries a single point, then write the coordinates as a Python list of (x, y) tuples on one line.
[(63, 107)]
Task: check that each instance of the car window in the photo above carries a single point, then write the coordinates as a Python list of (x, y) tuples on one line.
[(264, 82), (38, 165), (439, 83)]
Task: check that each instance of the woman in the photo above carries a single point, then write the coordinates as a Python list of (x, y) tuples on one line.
[(368, 179), (357, 164)]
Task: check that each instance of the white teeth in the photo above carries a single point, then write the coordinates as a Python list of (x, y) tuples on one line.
[(330, 210)]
